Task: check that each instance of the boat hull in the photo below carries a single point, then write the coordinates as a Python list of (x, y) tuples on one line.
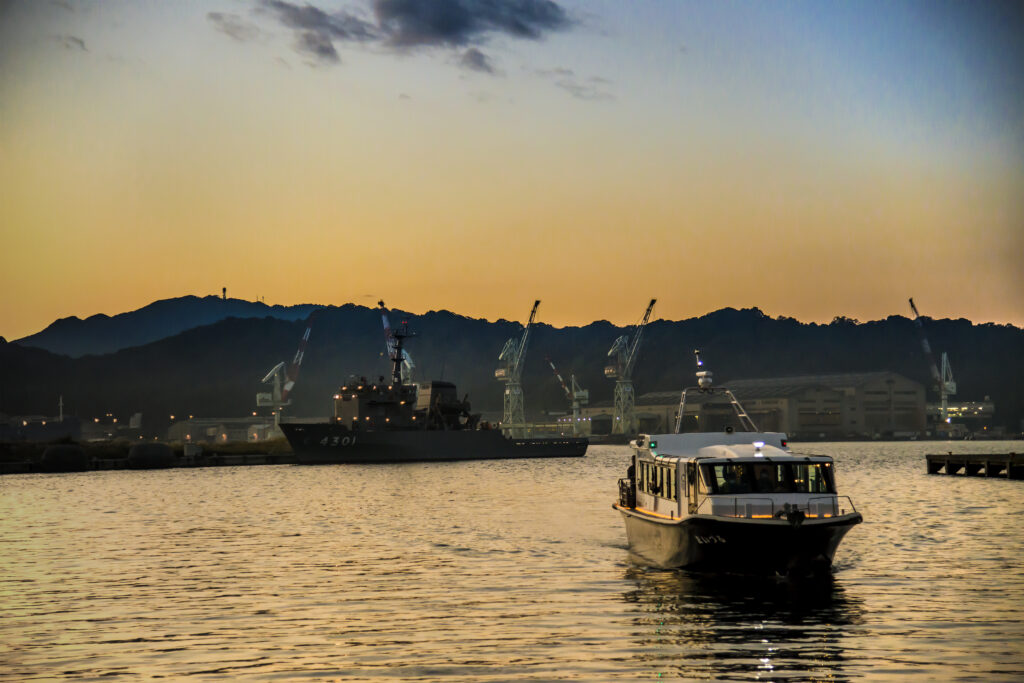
[(328, 443), (758, 546)]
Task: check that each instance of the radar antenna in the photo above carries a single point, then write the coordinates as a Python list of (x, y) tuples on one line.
[(704, 382)]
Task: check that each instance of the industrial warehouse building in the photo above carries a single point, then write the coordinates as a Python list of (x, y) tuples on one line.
[(859, 405)]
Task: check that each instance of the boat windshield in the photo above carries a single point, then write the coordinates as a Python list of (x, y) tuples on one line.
[(769, 477)]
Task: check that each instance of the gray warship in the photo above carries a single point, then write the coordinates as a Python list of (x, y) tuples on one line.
[(393, 420)]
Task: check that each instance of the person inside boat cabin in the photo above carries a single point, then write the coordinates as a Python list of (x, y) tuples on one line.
[(735, 480)]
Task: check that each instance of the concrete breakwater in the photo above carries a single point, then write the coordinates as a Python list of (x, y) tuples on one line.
[(23, 458)]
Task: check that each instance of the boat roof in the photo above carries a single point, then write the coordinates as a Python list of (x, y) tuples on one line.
[(752, 453), (750, 446), (691, 442)]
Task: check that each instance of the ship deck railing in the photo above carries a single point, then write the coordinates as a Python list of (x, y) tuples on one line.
[(754, 507)]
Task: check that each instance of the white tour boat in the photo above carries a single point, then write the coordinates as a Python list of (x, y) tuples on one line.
[(735, 500)]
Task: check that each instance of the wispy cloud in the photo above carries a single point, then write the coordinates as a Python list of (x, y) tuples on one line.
[(591, 89), (233, 25), (72, 42), (594, 88)]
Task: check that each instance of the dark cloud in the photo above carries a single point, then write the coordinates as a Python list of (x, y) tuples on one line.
[(409, 23), (338, 25), (475, 60), (72, 43), (316, 30), (233, 25), (317, 45), (405, 24)]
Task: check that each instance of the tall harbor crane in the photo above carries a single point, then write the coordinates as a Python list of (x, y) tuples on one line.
[(393, 351), (282, 377), (514, 421), (624, 355), (942, 381), (576, 394)]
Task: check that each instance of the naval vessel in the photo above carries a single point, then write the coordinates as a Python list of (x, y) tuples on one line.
[(391, 419)]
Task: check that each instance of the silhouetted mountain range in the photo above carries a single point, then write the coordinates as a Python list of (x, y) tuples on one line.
[(106, 334), (215, 369)]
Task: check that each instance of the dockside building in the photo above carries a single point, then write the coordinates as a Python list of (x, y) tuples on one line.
[(838, 406)]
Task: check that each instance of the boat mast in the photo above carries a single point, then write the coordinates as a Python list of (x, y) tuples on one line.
[(704, 381)]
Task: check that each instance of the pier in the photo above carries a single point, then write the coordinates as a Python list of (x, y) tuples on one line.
[(1003, 465), (29, 458)]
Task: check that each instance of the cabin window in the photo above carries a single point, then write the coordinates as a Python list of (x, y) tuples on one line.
[(814, 477), (657, 480), (769, 477), (730, 478)]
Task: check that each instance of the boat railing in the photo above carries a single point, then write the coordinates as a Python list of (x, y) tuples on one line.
[(753, 507), (834, 505)]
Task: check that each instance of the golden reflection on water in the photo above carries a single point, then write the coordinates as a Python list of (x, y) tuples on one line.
[(723, 626), (488, 571)]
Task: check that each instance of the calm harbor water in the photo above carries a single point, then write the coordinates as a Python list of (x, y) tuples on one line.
[(490, 571)]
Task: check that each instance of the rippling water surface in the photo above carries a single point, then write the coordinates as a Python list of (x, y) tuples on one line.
[(490, 571)]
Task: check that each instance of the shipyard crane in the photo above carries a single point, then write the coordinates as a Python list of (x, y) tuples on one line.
[(624, 355), (942, 380), (576, 394), (282, 377), (512, 355), (405, 375)]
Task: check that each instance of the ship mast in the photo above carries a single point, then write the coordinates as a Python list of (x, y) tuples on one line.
[(396, 360), (393, 338)]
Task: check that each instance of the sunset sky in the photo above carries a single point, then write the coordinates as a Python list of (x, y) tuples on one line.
[(812, 159)]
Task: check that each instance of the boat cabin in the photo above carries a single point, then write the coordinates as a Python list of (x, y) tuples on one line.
[(731, 474)]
